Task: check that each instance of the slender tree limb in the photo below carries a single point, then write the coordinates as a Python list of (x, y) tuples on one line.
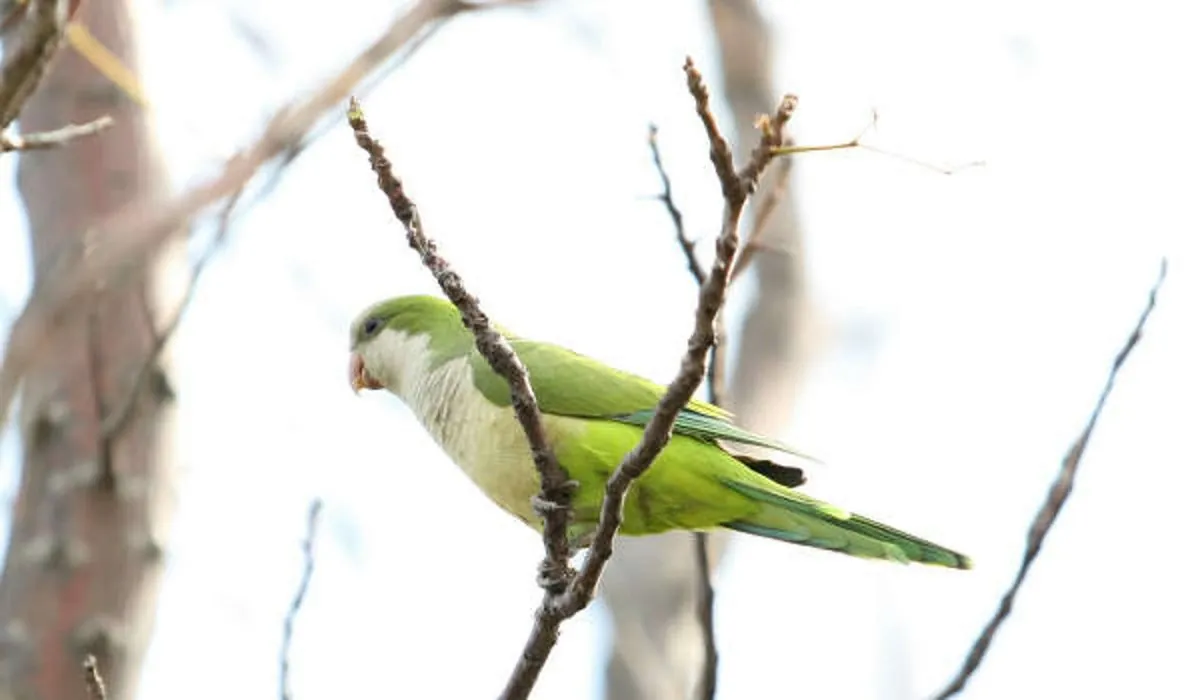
[(942, 169), (116, 419), (11, 12), (93, 679), (686, 244), (736, 186), (567, 592), (1053, 505), (289, 620), (716, 378), (857, 142), (706, 597), (27, 55), (554, 501), (762, 214), (53, 139), (705, 609), (108, 259)]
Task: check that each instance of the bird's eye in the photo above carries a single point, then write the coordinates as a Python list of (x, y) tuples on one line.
[(372, 325)]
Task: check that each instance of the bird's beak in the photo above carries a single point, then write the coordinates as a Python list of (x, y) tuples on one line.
[(359, 377)]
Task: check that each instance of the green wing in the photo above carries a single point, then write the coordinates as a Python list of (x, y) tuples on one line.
[(708, 428), (569, 384)]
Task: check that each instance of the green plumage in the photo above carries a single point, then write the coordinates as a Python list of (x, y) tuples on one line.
[(594, 417)]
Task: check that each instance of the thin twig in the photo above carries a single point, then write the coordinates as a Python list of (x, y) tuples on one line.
[(668, 199), (554, 500), (13, 12), (289, 620), (116, 420), (789, 149), (705, 603), (53, 139), (716, 379), (27, 55), (143, 229), (567, 592), (1053, 505), (762, 214), (95, 682), (736, 187), (705, 596), (857, 142), (942, 169)]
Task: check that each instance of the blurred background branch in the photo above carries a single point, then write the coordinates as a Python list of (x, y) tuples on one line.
[(93, 510), (307, 548), (1056, 498), (143, 229), (96, 497), (31, 31)]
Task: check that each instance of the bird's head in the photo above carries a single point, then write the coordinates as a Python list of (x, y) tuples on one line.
[(397, 339)]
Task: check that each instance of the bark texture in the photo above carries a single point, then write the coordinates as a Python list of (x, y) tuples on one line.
[(84, 563), (650, 585)]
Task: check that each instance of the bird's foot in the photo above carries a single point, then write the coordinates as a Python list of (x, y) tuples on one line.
[(544, 507), (554, 577)]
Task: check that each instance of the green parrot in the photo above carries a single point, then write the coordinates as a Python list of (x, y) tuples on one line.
[(417, 348)]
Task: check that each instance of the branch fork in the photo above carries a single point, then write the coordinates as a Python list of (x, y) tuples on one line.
[(567, 592)]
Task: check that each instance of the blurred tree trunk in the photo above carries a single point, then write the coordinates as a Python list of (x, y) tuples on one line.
[(650, 586), (84, 563)]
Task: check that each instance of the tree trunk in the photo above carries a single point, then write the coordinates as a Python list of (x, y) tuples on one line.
[(650, 585), (85, 559)]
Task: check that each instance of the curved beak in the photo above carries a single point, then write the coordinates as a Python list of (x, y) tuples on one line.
[(359, 377)]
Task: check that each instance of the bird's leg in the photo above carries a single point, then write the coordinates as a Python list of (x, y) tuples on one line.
[(543, 507), (556, 579), (552, 576)]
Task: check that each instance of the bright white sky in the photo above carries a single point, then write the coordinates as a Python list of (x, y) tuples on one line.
[(970, 322)]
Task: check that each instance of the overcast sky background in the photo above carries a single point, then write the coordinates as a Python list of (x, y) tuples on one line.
[(968, 325)]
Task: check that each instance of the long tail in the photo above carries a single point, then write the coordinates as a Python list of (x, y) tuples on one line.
[(794, 517)]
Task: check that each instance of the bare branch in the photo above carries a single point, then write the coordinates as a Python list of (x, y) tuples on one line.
[(53, 139), (1053, 505), (553, 503), (706, 597), (736, 187), (116, 420), (762, 215), (568, 592), (668, 199), (289, 621), (27, 55), (857, 142), (110, 258), (95, 682), (943, 169), (705, 603), (716, 378)]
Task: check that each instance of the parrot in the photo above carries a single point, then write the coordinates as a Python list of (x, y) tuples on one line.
[(418, 349)]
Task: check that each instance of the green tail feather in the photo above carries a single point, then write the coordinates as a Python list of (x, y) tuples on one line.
[(794, 517)]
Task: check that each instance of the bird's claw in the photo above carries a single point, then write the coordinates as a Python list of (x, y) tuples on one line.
[(553, 577), (545, 506)]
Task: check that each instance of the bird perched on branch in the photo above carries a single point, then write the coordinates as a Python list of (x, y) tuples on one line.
[(417, 348)]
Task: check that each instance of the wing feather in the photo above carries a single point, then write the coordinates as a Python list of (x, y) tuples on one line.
[(569, 384)]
